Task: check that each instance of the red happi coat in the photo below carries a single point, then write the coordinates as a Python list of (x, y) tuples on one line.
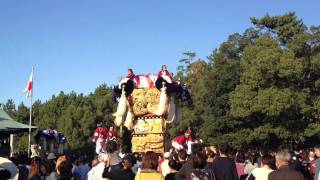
[(111, 135), (180, 140), (100, 135)]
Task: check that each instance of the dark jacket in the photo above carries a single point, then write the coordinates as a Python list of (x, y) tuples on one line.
[(117, 172), (285, 173), (170, 176), (185, 170), (23, 172), (224, 168)]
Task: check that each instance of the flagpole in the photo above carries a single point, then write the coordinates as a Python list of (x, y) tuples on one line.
[(30, 116)]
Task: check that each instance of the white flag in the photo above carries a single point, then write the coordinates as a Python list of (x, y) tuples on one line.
[(29, 88)]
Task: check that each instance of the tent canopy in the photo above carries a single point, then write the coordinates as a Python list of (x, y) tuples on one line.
[(9, 126)]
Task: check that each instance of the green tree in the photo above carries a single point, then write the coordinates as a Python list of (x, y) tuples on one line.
[(276, 95), (284, 27), (183, 69), (22, 114), (10, 108)]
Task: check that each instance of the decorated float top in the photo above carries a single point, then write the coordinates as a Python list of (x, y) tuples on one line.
[(148, 96)]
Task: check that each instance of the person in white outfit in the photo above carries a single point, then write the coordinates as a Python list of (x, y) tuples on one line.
[(165, 169), (96, 172), (268, 164)]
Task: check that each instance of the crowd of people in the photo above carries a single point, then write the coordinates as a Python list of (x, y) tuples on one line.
[(204, 163)]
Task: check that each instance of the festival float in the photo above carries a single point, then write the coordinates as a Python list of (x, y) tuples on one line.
[(146, 105)]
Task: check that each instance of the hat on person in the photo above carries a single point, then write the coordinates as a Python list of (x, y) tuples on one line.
[(51, 156), (166, 155)]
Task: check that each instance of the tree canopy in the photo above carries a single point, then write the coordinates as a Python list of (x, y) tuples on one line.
[(260, 88)]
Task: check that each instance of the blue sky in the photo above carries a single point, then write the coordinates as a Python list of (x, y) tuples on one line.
[(79, 44)]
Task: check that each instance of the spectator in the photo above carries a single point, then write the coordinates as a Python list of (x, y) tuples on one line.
[(317, 162), (199, 172), (173, 165), (224, 167), (81, 170), (23, 170), (250, 163), (295, 162), (182, 158), (164, 166), (59, 161), (284, 172), (187, 167), (138, 163), (240, 159), (65, 170), (267, 163), (47, 171), (5, 174), (34, 172), (94, 163), (210, 158), (52, 157), (96, 172), (305, 164), (122, 173), (113, 154), (149, 167), (312, 164)]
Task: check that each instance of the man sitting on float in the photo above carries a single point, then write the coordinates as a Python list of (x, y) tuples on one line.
[(165, 74), (130, 74)]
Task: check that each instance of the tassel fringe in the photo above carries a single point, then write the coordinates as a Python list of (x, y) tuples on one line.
[(129, 119), (121, 109), (162, 103)]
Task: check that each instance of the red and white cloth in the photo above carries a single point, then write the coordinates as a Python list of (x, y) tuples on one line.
[(29, 87), (147, 81), (179, 142), (166, 75), (141, 81)]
